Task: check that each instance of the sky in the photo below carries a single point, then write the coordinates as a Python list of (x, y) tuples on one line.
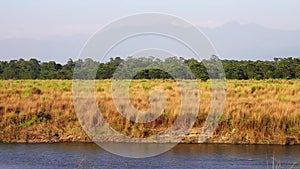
[(43, 20)]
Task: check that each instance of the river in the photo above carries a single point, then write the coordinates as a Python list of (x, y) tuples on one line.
[(88, 155)]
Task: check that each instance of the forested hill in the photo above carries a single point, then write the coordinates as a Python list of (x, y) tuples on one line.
[(279, 68)]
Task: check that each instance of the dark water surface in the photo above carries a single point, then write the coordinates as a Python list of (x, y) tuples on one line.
[(88, 155)]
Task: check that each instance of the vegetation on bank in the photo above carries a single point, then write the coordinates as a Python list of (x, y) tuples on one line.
[(256, 111), (279, 68)]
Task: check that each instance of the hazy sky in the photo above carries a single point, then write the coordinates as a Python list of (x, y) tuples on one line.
[(40, 19), (58, 29)]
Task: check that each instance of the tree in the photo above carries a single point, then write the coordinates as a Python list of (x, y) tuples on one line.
[(11, 71), (151, 68), (49, 70)]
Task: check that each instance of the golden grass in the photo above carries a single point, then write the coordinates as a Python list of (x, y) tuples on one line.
[(263, 112)]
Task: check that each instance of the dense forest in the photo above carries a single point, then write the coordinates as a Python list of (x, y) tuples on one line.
[(279, 68)]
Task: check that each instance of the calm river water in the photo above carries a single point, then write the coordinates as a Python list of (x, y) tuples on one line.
[(88, 155)]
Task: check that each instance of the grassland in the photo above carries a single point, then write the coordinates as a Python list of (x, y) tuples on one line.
[(256, 112)]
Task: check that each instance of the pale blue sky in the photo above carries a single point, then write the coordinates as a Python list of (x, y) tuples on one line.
[(58, 29), (40, 19)]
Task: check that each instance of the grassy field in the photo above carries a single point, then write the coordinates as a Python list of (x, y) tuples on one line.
[(256, 112)]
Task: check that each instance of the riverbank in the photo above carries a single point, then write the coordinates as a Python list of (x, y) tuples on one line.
[(256, 112)]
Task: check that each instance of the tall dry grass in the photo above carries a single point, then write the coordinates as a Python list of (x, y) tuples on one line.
[(256, 112)]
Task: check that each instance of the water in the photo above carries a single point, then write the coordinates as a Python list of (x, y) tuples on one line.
[(88, 155)]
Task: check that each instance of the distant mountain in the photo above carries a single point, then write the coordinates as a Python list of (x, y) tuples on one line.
[(232, 40), (59, 49), (253, 42)]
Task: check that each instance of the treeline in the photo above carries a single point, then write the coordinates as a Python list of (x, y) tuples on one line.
[(279, 68)]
